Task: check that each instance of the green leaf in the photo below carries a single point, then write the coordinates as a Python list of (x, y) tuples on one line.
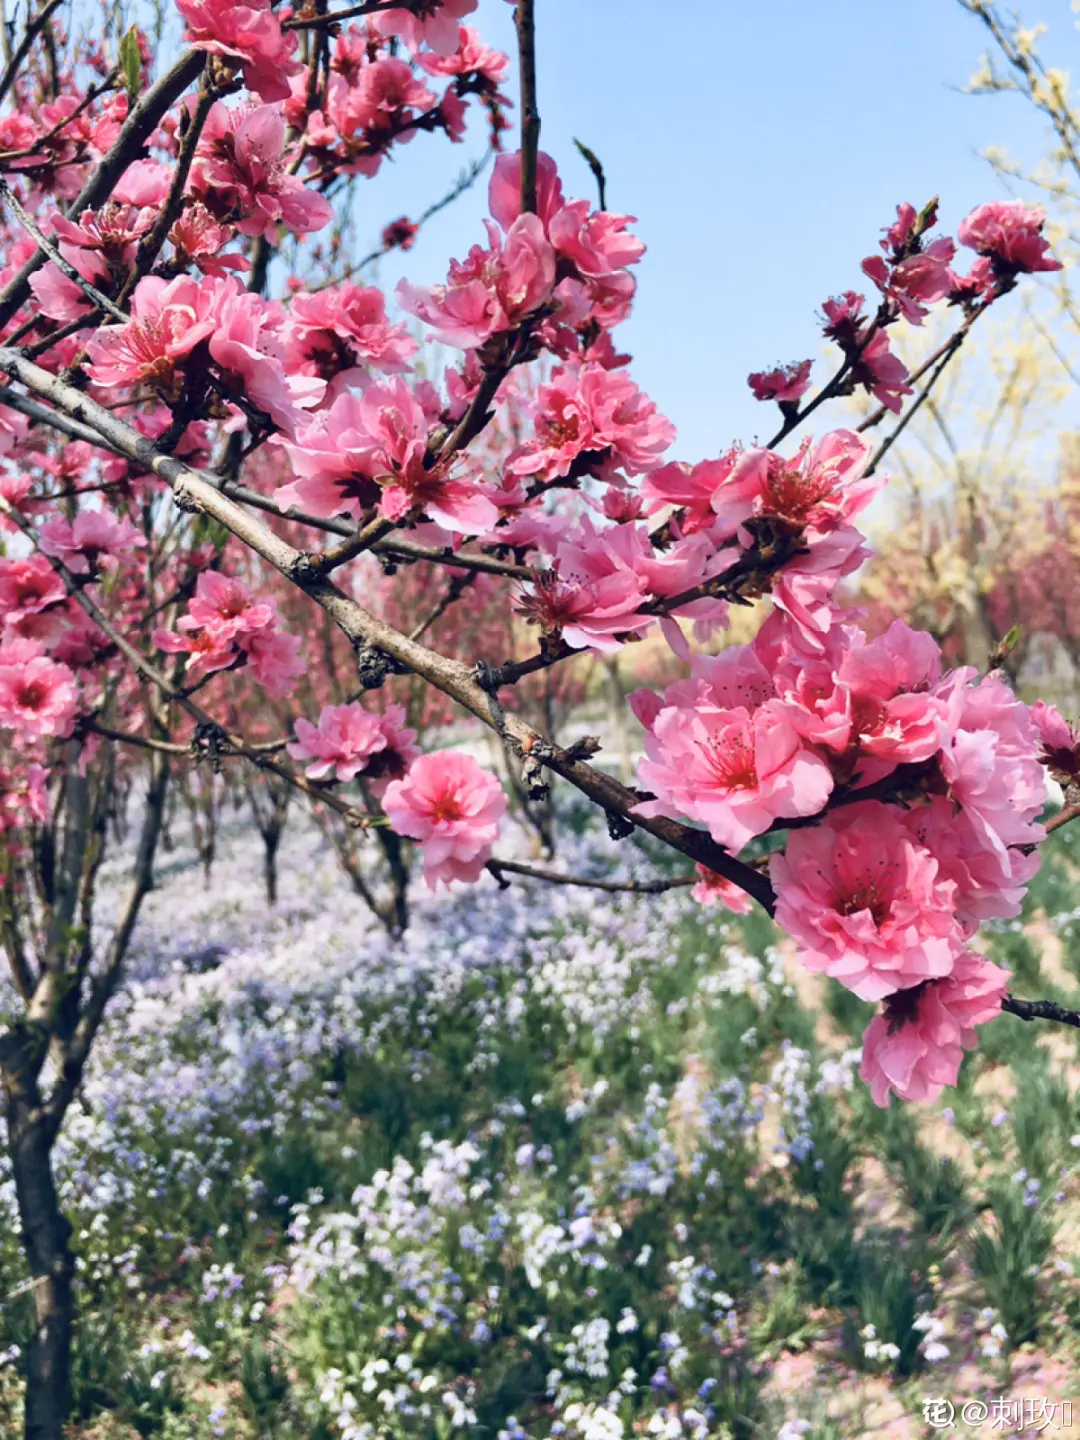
[(131, 61)]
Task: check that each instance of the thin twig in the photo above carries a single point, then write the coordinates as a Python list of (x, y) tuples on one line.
[(499, 868)]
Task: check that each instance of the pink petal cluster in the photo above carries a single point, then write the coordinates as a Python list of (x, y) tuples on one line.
[(592, 417), (342, 332), (720, 751), (712, 889), (248, 32), (93, 539), (865, 903), (453, 807), (1060, 742), (38, 698), (914, 1048), (241, 174), (369, 452), (786, 384), (1009, 234), (226, 627), (436, 26), (349, 740)]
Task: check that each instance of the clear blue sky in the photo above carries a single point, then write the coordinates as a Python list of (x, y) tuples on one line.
[(762, 144)]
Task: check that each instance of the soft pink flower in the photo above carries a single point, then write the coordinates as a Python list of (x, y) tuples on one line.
[(333, 332), (689, 490), (93, 539), (225, 608), (453, 807), (371, 450), (199, 238), (37, 695), (786, 384), (380, 104), (588, 613), (341, 744), (435, 26), (820, 488), (990, 759), (990, 883), (590, 411), (1060, 742), (398, 751), (240, 174), (491, 290), (274, 659), (595, 242), (865, 903), (472, 57), (249, 32), (894, 717), (717, 751), (246, 344), (914, 1048), (169, 318), (713, 889), (1009, 234), (28, 586), (504, 190)]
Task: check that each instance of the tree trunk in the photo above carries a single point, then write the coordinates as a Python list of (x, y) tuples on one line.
[(271, 839), (45, 1241)]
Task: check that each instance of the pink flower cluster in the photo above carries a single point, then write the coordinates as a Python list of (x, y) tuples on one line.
[(567, 262), (227, 628), (881, 896), (453, 807)]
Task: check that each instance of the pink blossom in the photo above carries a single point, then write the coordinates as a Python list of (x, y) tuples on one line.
[(1060, 742), (333, 332), (274, 659), (169, 318), (596, 242), (436, 24), (246, 344), (713, 889), (597, 416), (894, 717), (689, 490), (786, 384), (240, 174), (593, 595), (914, 1048), (472, 57), (381, 102), (341, 744), (453, 807), (397, 753), (246, 31), (37, 695), (491, 290), (29, 586), (1009, 234), (717, 751), (207, 652), (372, 449), (504, 190), (92, 540), (990, 760), (865, 903), (200, 239), (225, 608), (820, 489), (990, 883)]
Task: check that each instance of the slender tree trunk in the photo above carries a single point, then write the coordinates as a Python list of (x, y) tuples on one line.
[(271, 840), (45, 1241)]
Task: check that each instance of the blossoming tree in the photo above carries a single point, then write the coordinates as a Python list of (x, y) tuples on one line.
[(209, 440)]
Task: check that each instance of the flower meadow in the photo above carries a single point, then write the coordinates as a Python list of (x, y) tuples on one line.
[(556, 1163)]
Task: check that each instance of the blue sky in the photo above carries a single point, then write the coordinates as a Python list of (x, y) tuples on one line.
[(762, 146)]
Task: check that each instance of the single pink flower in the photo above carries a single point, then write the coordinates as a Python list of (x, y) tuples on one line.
[(865, 903), (786, 384), (719, 752), (434, 24), (504, 190), (38, 698), (169, 318), (1009, 234), (341, 332), (91, 541), (225, 608), (713, 889), (914, 1048), (453, 808), (596, 242), (246, 31), (341, 744), (398, 751), (28, 586), (1060, 742), (274, 659)]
